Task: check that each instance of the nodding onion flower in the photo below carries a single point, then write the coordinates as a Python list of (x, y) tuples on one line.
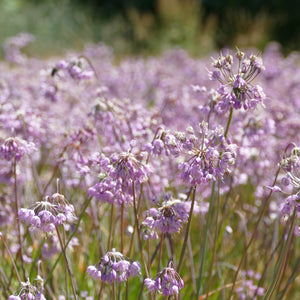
[(46, 215), (237, 90), (168, 281), (114, 267)]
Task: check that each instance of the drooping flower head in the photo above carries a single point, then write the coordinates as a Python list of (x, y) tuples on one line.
[(115, 182), (169, 216), (77, 68), (290, 164), (114, 267), (236, 89), (49, 213), (129, 168), (168, 282), (14, 147), (30, 291)]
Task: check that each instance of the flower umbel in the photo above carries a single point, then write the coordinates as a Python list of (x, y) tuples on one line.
[(210, 156), (114, 267), (30, 291), (14, 147), (237, 89), (168, 282), (169, 217), (49, 213)]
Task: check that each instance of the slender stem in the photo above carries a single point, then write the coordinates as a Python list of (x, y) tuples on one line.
[(17, 218), (100, 291), (192, 263), (126, 290), (11, 258), (141, 289), (215, 243), (203, 254), (67, 263), (211, 201), (119, 291), (137, 226), (69, 240), (110, 228), (202, 297), (290, 280), (160, 251), (113, 291), (193, 189), (280, 264), (137, 209), (122, 227), (254, 233), (228, 122), (148, 255), (36, 257), (4, 284), (56, 168)]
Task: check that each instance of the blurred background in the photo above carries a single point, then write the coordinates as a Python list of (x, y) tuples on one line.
[(148, 27)]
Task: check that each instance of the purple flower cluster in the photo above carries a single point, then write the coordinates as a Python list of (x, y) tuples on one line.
[(209, 156), (164, 143), (14, 147), (237, 90), (76, 68), (30, 291), (248, 289), (48, 214), (168, 282), (114, 267), (115, 185), (290, 164), (168, 217)]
